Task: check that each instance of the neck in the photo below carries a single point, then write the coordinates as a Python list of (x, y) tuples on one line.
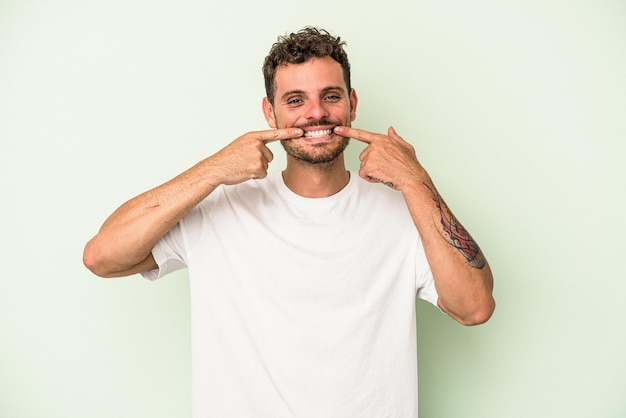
[(316, 180)]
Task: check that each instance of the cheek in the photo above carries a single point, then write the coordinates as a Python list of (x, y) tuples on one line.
[(284, 120)]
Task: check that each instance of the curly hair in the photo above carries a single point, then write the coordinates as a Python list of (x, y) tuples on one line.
[(300, 47)]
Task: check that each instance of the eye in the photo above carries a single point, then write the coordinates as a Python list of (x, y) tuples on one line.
[(332, 97), (294, 101)]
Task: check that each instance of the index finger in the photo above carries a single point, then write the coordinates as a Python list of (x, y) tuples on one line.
[(279, 134), (358, 134)]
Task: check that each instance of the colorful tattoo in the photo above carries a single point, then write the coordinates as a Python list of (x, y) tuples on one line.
[(456, 235)]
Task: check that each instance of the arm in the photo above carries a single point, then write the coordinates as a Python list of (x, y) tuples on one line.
[(124, 243), (462, 275)]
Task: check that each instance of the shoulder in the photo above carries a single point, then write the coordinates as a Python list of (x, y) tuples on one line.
[(246, 194), (381, 201), (377, 191)]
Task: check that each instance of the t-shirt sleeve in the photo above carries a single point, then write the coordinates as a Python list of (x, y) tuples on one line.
[(425, 282), (168, 254)]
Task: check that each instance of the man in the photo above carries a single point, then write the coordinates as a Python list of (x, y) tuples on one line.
[(303, 283)]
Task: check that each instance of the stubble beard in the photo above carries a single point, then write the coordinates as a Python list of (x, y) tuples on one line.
[(315, 154), (323, 154)]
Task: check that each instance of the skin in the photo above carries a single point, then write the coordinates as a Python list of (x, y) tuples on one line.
[(309, 97), (124, 243), (313, 96), (463, 278)]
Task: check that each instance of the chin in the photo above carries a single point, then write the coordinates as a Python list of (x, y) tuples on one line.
[(316, 151)]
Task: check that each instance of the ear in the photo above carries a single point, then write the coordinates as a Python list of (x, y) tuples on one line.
[(268, 112), (353, 102)]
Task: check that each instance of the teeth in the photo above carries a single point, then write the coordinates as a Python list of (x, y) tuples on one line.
[(317, 134)]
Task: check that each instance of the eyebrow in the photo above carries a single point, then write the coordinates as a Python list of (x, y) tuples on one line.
[(324, 90)]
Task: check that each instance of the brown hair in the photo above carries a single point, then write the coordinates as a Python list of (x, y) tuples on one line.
[(300, 47)]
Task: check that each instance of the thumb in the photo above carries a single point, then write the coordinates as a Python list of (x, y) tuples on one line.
[(392, 132)]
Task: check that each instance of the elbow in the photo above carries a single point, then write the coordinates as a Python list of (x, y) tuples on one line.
[(105, 262), (481, 314), (482, 305), (93, 261), (476, 313)]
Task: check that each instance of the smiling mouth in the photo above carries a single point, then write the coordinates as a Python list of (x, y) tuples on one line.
[(318, 134)]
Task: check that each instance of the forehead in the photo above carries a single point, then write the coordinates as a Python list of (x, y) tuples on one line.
[(313, 75)]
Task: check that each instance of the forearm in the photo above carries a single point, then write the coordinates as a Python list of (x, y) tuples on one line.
[(462, 275), (127, 237)]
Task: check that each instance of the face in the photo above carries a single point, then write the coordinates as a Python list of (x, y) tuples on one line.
[(312, 96)]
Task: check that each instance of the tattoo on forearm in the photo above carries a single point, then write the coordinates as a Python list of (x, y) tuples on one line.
[(456, 235)]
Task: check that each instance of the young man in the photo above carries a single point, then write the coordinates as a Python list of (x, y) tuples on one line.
[(303, 283)]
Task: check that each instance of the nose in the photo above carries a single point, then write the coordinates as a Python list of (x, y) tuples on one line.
[(315, 110)]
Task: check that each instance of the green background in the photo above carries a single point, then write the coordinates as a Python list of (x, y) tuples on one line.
[(516, 108)]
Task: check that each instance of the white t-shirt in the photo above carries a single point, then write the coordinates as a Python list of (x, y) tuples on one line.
[(301, 307)]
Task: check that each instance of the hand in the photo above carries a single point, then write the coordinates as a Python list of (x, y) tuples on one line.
[(248, 156), (387, 159)]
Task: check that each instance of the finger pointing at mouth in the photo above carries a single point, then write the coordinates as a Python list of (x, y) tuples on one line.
[(358, 134)]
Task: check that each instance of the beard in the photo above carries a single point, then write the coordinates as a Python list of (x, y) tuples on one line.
[(316, 154)]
